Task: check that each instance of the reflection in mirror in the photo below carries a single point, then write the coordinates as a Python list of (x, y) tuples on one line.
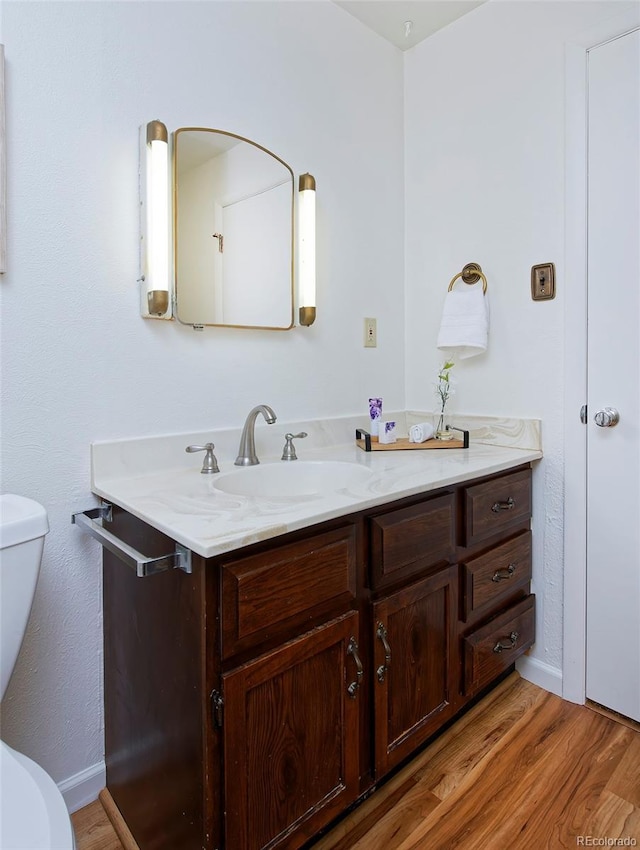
[(233, 232)]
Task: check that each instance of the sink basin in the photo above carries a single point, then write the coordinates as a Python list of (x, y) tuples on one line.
[(293, 479)]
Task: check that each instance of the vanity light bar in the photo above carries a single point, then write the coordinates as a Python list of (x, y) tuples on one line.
[(156, 273), (307, 249)]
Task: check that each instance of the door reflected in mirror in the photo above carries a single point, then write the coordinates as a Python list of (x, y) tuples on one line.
[(233, 232)]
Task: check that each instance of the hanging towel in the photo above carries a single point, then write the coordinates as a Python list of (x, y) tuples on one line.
[(421, 432), (464, 329)]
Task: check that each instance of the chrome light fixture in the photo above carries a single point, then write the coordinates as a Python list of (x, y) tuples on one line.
[(307, 249), (155, 224)]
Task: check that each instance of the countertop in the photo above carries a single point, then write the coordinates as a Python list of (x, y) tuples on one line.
[(188, 506)]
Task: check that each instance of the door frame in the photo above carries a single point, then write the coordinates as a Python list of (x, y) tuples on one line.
[(575, 352)]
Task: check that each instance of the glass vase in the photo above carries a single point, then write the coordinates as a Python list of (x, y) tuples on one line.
[(441, 426)]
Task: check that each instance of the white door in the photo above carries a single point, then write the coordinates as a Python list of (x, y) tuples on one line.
[(613, 450), (257, 282)]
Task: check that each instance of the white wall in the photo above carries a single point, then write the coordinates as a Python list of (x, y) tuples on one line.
[(305, 80), (484, 129), (485, 157)]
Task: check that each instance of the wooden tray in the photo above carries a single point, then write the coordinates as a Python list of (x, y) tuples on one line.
[(370, 444)]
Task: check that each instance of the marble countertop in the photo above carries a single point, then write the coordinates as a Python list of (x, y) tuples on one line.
[(179, 501)]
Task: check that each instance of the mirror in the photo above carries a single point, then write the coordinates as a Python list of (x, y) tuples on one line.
[(233, 232)]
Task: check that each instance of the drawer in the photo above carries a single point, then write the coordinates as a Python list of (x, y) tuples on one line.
[(492, 577), (409, 540), (496, 505), (491, 649), (269, 594)]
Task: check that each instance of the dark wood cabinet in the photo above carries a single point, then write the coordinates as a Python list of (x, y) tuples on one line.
[(497, 612), (489, 578), (492, 648), (272, 592), (249, 704), (497, 505), (413, 665), (155, 701), (407, 541), (290, 723)]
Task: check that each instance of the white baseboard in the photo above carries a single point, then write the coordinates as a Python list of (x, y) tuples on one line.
[(541, 674), (83, 788)]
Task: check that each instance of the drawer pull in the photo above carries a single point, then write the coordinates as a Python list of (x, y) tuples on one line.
[(381, 634), (509, 505), (352, 649), (513, 640), (502, 575)]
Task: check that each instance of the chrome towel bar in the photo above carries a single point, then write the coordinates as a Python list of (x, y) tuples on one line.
[(87, 521)]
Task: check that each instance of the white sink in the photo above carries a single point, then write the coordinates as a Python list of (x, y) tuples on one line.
[(292, 479)]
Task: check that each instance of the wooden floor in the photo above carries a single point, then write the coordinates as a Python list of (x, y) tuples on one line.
[(522, 770)]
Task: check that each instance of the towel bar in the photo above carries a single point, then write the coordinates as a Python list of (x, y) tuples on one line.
[(470, 274), (86, 520)]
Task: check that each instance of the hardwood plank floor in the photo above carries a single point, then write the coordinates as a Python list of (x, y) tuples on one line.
[(522, 770), (93, 829)]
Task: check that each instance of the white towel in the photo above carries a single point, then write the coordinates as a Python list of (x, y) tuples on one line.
[(464, 329), (421, 432)]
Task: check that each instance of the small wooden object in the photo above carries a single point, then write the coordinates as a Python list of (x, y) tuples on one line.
[(368, 444), (117, 821)]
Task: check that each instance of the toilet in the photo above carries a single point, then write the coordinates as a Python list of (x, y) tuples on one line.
[(33, 814)]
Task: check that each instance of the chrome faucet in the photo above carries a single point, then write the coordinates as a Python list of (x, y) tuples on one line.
[(247, 452)]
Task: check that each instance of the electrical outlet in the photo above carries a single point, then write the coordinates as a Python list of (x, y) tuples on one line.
[(543, 282), (370, 333)]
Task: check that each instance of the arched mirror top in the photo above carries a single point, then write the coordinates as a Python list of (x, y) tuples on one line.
[(233, 226)]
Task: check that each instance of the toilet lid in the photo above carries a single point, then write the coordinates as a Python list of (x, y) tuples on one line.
[(34, 814)]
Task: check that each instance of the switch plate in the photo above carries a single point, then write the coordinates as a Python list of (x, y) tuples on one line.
[(543, 282), (370, 333)]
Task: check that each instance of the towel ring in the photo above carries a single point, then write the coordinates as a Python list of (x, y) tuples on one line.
[(471, 274)]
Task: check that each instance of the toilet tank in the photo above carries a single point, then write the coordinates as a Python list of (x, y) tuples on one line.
[(23, 525)]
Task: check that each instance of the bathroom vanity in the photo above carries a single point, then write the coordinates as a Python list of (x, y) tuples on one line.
[(250, 702)]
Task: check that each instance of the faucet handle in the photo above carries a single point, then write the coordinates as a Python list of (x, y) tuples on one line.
[(289, 450), (209, 464)]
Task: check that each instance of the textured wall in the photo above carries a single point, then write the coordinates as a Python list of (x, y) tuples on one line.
[(307, 81), (485, 161), (483, 123)]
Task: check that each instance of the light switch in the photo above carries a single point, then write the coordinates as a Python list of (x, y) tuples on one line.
[(543, 282)]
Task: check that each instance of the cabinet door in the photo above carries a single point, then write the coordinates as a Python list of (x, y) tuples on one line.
[(414, 665), (291, 738)]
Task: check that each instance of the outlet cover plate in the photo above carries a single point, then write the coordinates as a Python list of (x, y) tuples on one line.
[(370, 333)]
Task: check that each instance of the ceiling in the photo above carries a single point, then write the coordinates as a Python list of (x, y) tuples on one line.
[(388, 17)]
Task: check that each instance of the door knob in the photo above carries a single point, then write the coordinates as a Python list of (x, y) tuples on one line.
[(607, 417)]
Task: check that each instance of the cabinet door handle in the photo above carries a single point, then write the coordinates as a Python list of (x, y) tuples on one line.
[(501, 575), (513, 640), (352, 649), (509, 505), (381, 634)]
